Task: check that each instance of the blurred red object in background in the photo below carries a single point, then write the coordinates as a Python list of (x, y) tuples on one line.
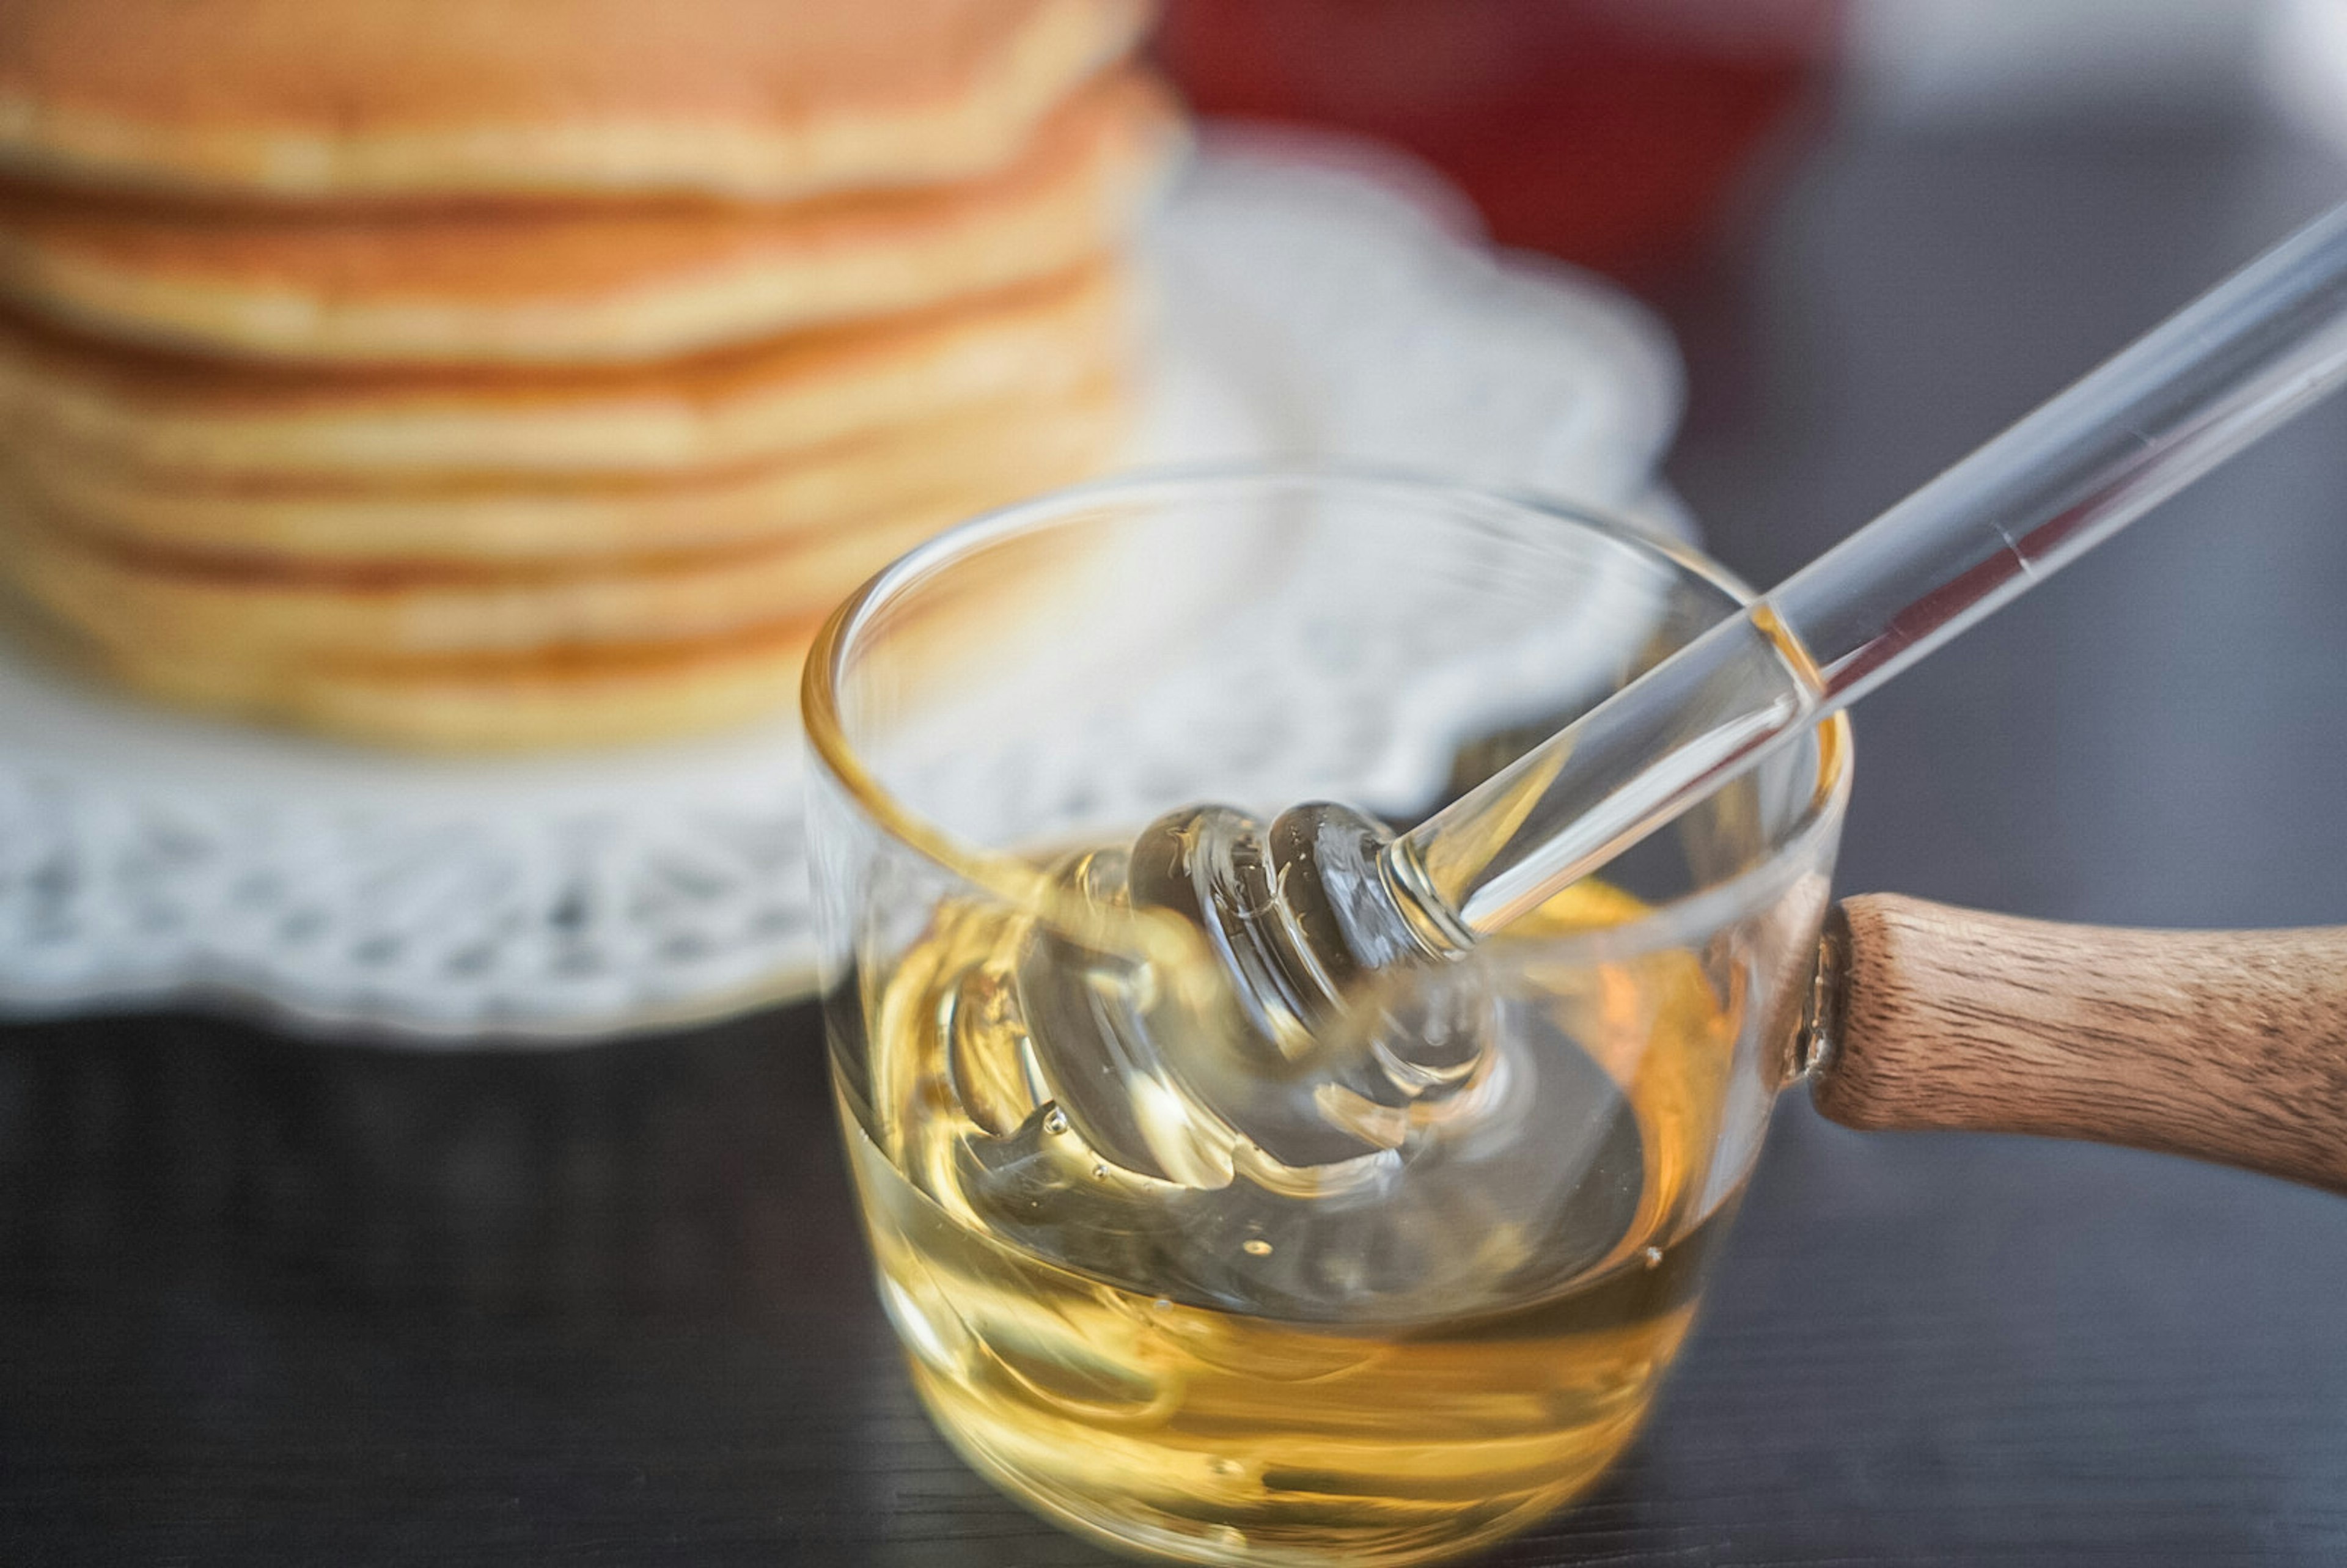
[(1610, 132)]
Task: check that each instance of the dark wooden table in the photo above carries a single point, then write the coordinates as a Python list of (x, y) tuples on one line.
[(263, 1303)]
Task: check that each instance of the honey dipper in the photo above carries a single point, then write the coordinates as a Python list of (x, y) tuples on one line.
[(1302, 911)]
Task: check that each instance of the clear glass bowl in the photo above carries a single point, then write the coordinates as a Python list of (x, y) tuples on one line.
[(1226, 1356)]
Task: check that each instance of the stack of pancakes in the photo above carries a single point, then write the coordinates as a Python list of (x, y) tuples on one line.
[(472, 374)]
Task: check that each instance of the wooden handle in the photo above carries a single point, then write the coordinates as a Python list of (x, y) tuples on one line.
[(2223, 1045)]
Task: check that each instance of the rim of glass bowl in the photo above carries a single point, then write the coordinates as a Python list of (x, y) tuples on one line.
[(1692, 917)]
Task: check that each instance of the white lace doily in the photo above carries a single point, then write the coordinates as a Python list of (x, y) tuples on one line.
[(1317, 302)]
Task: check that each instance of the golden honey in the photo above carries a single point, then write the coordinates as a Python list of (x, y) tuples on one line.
[(1383, 1373)]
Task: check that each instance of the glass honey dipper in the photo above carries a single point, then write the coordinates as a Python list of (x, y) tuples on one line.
[(1304, 911)]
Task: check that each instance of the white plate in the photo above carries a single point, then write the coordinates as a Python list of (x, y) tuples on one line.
[(1317, 301)]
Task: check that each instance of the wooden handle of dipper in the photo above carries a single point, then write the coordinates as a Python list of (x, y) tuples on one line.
[(2228, 1046)]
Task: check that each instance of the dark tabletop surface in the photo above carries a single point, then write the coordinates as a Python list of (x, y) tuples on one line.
[(263, 1303)]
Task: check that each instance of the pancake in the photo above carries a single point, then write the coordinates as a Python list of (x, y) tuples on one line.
[(123, 416), (1065, 427), (174, 608), (764, 98), (491, 702), (254, 608), (578, 283), (1008, 446)]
